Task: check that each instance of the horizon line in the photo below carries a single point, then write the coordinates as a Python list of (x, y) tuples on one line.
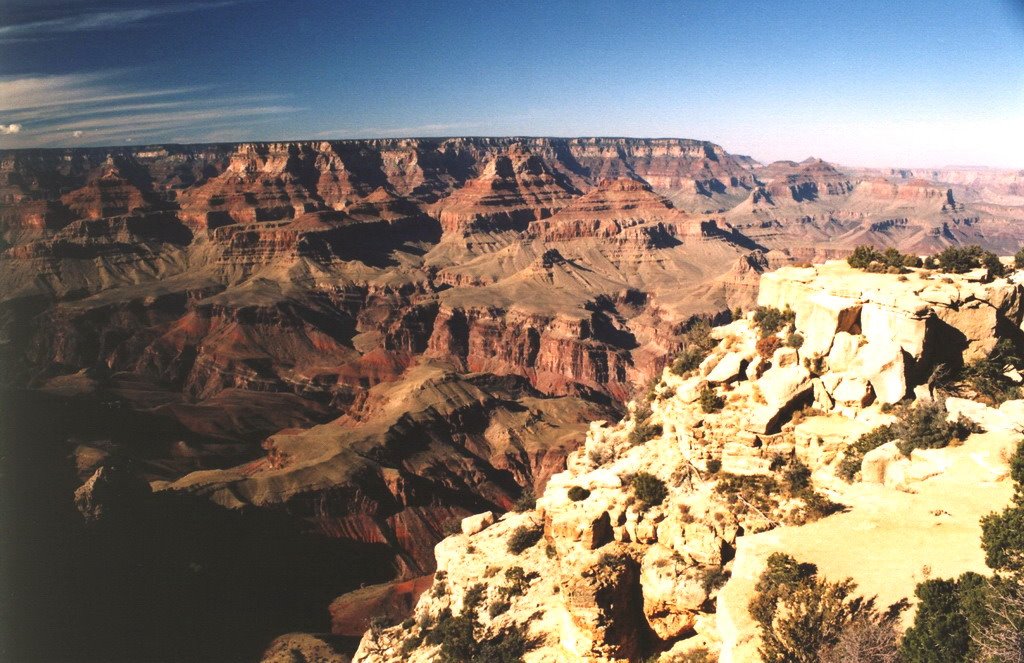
[(136, 146)]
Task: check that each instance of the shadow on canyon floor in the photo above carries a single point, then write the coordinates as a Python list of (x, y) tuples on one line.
[(180, 579)]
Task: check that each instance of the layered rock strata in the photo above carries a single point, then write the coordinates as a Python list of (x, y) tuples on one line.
[(615, 578)]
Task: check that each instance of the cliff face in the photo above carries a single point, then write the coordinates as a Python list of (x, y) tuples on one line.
[(614, 574)]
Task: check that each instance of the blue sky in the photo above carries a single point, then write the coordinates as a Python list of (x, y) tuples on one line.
[(899, 82)]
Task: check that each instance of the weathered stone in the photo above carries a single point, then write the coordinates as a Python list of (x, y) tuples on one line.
[(853, 392), (781, 385), (822, 399), (976, 320), (822, 317), (844, 351), (883, 366), (601, 597), (884, 325), (477, 523), (988, 418), (672, 591), (729, 368), (584, 524), (819, 440), (877, 463)]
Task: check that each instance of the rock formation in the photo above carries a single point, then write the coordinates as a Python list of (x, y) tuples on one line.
[(620, 571)]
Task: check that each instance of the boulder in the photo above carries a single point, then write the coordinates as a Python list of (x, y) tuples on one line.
[(882, 365), (988, 418), (853, 392), (822, 399), (729, 368), (781, 385), (976, 320), (477, 523), (877, 463), (844, 351), (601, 594), (822, 317), (885, 324), (585, 523), (672, 590)]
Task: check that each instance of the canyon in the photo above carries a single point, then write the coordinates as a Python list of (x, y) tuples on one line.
[(362, 343), (606, 567)]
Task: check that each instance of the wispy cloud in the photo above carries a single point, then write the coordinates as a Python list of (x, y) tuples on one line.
[(434, 129), (101, 19), (102, 108)]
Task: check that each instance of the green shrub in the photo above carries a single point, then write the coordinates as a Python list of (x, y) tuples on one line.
[(644, 431), (474, 597), (795, 340), (763, 496), (499, 607), (942, 625), (527, 501), (1002, 534), (710, 401), (924, 426), (1018, 259), (578, 493), (912, 261), (459, 644), (890, 260), (713, 578), (986, 376), (771, 320), (993, 264), (517, 581), (799, 614), (523, 538), (688, 360), (865, 639), (697, 344), (714, 466), (796, 475), (863, 256), (960, 259), (648, 489)]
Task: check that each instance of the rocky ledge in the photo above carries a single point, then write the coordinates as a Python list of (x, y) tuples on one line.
[(652, 540)]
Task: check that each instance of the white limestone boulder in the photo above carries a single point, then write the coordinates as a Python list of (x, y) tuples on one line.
[(477, 523), (729, 368)]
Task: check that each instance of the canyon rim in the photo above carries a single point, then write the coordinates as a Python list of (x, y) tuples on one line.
[(346, 333)]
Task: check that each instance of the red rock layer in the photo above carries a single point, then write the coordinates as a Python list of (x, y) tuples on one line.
[(512, 189)]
